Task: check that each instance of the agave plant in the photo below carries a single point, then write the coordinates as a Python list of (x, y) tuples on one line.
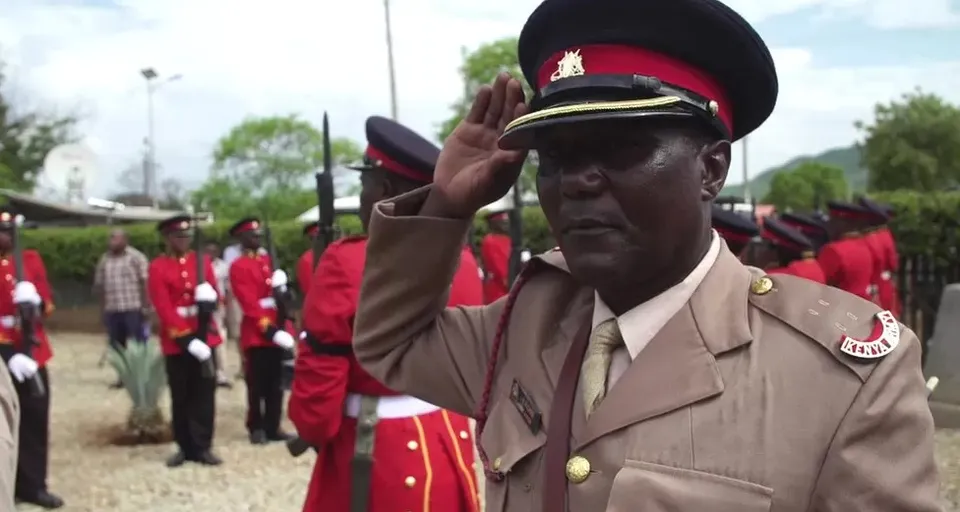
[(141, 370)]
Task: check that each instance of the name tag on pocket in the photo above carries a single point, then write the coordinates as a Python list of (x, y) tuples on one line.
[(526, 407)]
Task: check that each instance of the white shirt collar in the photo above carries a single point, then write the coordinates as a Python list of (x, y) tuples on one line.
[(639, 325)]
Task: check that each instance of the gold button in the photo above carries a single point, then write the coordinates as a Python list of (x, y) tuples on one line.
[(762, 286), (9, 277), (464, 435), (183, 260), (412, 445), (183, 274), (4, 262), (497, 463), (578, 469), (188, 284), (268, 280), (410, 481)]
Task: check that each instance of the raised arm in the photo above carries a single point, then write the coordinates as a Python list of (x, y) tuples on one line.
[(403, 334)]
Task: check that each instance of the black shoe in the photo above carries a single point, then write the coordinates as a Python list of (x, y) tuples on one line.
[(117, 385), (43, 499), (209, 459), (279, 436), (176, 460), (258, 437)]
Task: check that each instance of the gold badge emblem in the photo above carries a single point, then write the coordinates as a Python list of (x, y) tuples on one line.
[(578, 469), (5, 217), (762, 286), (570, 65)]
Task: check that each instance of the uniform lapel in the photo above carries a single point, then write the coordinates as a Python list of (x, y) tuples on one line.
[(679, 367)]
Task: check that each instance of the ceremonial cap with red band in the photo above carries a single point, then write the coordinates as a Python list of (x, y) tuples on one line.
[(881, 213), (785, 237), (311, 229), (851, 211), (245, 225), (733, 227), (398, 150), (175, 224), (496, 215), (805, 224), (590, 60)]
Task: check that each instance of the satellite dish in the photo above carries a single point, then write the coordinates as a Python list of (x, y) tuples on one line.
[(67, 171)]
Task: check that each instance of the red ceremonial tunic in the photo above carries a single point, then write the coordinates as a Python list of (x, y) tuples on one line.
[(886, 263), (171, 282), (423, 455), (305, 272), (847, 264), (806, 268), (250, 279), (495, 253), (36, 273)]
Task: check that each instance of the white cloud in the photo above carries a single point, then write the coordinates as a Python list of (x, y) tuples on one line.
[(240, 59)]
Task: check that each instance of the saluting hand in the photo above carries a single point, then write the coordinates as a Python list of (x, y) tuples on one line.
[(472, 171)]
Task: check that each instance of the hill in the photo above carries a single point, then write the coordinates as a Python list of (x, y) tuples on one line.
[(847, 158)]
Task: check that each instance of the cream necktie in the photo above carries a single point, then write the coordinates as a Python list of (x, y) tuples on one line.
[(593, 374)]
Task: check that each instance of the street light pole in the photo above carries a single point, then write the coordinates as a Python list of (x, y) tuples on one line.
[(150, 169), (390, 65)]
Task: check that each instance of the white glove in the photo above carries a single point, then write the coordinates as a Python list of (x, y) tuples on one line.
[(284, 339), (524, 256), (279, 279), (205, 293), (26, 293), (199, 349), (22, 367)]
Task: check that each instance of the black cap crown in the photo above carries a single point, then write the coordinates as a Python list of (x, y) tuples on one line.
[(785, 237), (244, 225), (399, 150), (734, 227), (606, 59), (176, 224)]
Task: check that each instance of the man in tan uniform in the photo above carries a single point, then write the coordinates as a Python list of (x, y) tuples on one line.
[(9, 436), (643, 368)]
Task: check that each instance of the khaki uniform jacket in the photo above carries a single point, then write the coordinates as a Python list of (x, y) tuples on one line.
[(9, 438), (743, 402)]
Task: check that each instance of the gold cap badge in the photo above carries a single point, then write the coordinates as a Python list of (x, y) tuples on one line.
[(570, 65)]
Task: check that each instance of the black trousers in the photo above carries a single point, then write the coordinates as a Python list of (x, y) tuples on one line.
[(193, 404), (263, 373), (34, 438)]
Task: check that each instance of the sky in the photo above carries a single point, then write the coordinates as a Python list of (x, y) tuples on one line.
[(835, 60)]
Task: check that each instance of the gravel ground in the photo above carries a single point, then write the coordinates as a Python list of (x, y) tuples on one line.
[(93, 476)]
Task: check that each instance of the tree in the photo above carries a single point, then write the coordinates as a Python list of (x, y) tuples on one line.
[(806, 187), (26, 136), (276, 152), (480, 67), (264, 166), (913, 143)]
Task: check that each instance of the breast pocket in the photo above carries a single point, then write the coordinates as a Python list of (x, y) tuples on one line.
[(655, 488), (514, 451)]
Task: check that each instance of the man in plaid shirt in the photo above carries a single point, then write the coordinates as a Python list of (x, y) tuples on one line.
[(120, 282)]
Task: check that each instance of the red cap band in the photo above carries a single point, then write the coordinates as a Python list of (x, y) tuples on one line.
[(801, 227), (247, 226), (776, 239), (844, 213), (395, 167), (605, 59), (733, 236)]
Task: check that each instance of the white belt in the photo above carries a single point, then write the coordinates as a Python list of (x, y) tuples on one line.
[(268, 303), (886, 275), (8, 322), (390, 406), (187, 311)]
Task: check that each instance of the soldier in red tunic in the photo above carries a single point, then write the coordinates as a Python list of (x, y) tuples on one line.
[(787, 251), (27, 363), (880, 241), (177, 297), (264, 342), (422, 456), (738, 231), (305, 263), (495, 254), (846, 262)]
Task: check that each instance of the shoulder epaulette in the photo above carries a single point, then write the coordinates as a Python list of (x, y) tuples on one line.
[(855, 331)]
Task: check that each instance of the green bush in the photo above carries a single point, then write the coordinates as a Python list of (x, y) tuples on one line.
[(925, 224)]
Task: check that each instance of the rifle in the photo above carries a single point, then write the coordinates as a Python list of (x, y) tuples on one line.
[(204, 309), (28, 314), (516, 233), (280, 295), (325, 196)]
